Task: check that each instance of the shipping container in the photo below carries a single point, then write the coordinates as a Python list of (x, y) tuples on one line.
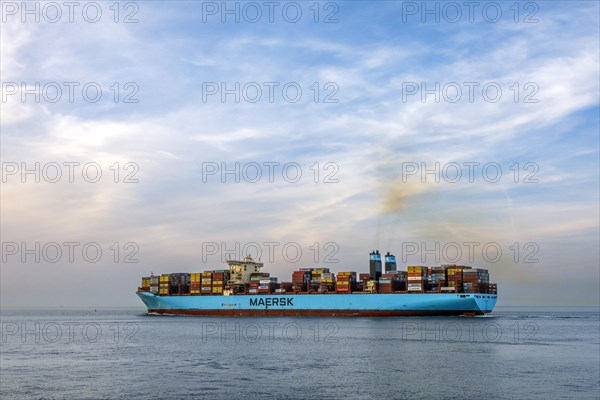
[(447, 278)]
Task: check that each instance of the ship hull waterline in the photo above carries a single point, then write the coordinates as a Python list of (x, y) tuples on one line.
[(322, 305)]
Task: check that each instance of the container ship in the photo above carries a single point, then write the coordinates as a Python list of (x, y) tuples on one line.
[(243, 290)]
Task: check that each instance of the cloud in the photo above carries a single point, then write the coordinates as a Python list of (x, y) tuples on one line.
[(367, 134)]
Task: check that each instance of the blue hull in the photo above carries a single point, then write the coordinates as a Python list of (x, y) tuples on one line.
[(357, 304)]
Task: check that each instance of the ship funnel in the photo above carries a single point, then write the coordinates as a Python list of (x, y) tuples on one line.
[(374, 265), (390, 262)]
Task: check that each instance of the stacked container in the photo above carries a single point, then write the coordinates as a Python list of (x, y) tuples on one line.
[(184, 284), (315, 278), (437, 278), (145, 283), (255, 278), (259, 283), (345, 282), (417, 278), (315, 281), (266, 284), (300, 280), (285, 287), (218, 282), (475, 280), (455, 277), (154, 281), (179, 284), (484, 281), (385, 284), (327, 282), (469, 281), (253, 288), (173, 284), (206, 287), (397, 281), (402, 279), (163, 288), (195, 283)]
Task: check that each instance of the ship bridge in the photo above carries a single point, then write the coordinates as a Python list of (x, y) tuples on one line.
[(240, 270)]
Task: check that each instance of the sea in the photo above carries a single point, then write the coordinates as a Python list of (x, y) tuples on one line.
[(513, 353)]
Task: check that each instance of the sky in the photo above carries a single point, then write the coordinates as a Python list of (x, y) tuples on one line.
[(168, 136)]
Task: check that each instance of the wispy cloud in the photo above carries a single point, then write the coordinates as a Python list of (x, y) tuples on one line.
[(372, 129)]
